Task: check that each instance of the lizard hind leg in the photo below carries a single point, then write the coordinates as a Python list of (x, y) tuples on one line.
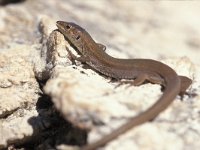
[(138, 81), (143, 78), (185, 83), (150, 78)]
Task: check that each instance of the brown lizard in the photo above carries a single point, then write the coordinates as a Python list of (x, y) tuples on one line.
[(140, 70)]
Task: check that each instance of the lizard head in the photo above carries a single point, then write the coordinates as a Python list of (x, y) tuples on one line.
[(72, 32), (77, 36)]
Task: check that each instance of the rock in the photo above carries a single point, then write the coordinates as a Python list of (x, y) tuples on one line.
[(48, 102), (100, 106), (19, 92)]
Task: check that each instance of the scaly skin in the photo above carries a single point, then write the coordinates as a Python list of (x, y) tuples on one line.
[(141, 70)]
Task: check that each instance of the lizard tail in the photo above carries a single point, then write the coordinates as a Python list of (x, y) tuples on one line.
[(172, 89)]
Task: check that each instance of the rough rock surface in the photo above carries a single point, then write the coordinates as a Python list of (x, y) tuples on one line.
[(36, 70)]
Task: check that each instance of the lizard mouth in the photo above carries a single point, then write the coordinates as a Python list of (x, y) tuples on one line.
[(60, 25)]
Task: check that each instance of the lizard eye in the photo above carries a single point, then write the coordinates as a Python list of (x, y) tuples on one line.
[(67, 27), (78, 37)]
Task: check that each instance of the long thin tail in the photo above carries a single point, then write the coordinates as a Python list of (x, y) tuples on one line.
[(171, 91)]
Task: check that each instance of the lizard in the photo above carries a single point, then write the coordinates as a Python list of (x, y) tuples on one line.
[(140, 70)]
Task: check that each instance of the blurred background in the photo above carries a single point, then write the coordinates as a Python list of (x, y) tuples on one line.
[(148, 29), (160, 30)]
